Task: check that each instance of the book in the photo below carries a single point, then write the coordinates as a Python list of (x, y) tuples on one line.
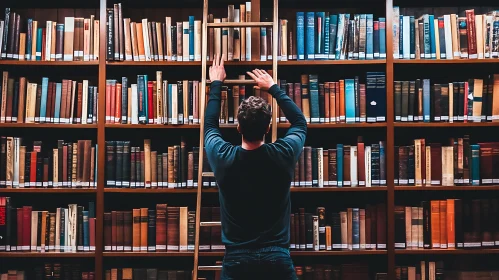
[(443, 270), (447, 224), (329, 271), (160, 229), (71, 39), (344, 165), (57, 270), (70, 229), (47, 101), (343, 101), (67, 165), (450, 34), (348, 229), (146, 273), (470, 100), (455, 163)]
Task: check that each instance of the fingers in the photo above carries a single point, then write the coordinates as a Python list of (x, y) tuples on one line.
[(252, 75), (260, 73), (257, 73), (222, 61), (215, 60)]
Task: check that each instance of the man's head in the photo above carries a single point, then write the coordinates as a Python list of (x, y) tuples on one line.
[(254, 117)]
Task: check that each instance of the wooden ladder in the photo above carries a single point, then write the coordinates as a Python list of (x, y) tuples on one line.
[(204, 81)]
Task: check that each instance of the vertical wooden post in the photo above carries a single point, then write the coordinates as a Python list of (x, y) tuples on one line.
[(101, 143), (390, 144), (275, 39), (202, 99), (255, 31)]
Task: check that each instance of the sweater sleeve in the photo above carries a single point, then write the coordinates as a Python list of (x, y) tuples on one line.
[(295, 137)]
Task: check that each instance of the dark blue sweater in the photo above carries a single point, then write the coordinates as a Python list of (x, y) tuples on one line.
[(254, 192)]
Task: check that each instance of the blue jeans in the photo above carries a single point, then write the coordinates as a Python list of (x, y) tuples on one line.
[(265, 263)]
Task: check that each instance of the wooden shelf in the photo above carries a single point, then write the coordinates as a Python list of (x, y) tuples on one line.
[(335, 125), (153, 126), (312, 253), (476, 251), (329, 62), (446, 124), (118, 190), (336, 189), (48, 63), (453, 188), (51, 191), (148, 254), (444, 61), (46, 125), (46, 255), (184, 63)]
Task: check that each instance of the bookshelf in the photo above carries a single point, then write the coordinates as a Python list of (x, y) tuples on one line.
[(390, 129)]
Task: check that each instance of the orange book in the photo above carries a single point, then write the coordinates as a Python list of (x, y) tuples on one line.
[(435, 223), (140, 42), (136, 230), (443, 224), (112, 101), (451, 233), (332, 101), (342, 101), (117, 108), (143, 229), (108, 101)]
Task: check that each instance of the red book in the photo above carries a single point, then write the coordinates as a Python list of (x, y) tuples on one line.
[(108, 102), (20, 233), (26, 228), (361, 167), (92, 233), (150, 102), (112, 99)]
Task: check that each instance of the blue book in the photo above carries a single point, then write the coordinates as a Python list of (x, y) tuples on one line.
[(310, 36), (382, 39), (29, 39), (86, 231), (191, 38), (426, 100), (60, 29), (427, 43), (350, 100), (313, 84), (433, 43), (57, 104), (333, 26), (43, 100), (327, 37), (63, 230), (339, 164), (369, 36), (401, 37), (263, 34), (141, 98), (355, 229), (475, 165), (300, 35), (145, 99), (382, 162), (39, 36)]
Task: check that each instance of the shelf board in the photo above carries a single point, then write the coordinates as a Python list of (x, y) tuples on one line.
[(330, 62), (184, 63), (445, 124), (152, 126), (46, 255), (452, 188), (148, 254), (46, 125), (336, 125), (336, 189), (476, 251), (312, 253), (444, 61), (52, 191), (48, 63), (118, 190)]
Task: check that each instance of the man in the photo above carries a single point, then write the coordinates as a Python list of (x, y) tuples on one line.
[(254, 181)]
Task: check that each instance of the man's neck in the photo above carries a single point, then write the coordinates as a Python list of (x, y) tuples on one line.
[(251, 145)]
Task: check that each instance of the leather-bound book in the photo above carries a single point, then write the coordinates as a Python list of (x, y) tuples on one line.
[(136, 230), (151, 230), (143, 229), (119, 231), (127, 231), (172, 236), (114, 230), (161, 227), (107, 231)]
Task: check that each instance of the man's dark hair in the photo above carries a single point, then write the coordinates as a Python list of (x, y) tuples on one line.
[(254, 118)]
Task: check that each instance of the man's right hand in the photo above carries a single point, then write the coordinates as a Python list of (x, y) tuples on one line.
[(262, 78), (217, 70)]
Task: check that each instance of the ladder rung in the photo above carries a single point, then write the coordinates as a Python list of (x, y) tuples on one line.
[(240, 24), (210, 267), (247, 82), (208, 174), (210, 224)]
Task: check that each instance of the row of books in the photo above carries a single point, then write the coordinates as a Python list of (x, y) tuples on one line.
[(447, 224), (71, 39), (70, 229), (329, 272), (162, 229), (352, 229), (457, 163), (67, 271), (450, 36), (346, 166), (343, 101), (70, 165), (61, 101), (128, 273), (133, 167), (468, 101), (436, 270)]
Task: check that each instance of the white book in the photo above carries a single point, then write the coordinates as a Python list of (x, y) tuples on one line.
[(448, 37), (66, 229), (174, 105), (134, 105), (48, 40), (58, 230), (1, 36), (479, 35), (165, 102), (406, 33), (353, 167), (185, 41), (248, 32), (197, 40), (17, 142), (320, 167), (168, 51), (69, 25), (395, 31), (71, 245), (145, 34), (84, 102), (367, 162)]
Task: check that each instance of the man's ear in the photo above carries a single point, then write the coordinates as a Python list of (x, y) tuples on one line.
[(238, 129)]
